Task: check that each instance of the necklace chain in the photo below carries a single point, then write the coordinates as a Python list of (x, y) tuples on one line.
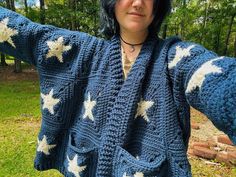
[(131, 45)]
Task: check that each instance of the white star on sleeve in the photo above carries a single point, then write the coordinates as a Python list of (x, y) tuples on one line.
[(138, 174), (199, 76), (74, 167), (43, 146), (49, 102), (89, 105), (143, 106), (179, 55), (57, 48), (124, 175), (7, 33)]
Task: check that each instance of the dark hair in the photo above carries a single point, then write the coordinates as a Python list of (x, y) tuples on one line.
[(110, 26)]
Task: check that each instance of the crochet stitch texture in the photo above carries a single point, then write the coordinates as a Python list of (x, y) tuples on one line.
[(95, 123)]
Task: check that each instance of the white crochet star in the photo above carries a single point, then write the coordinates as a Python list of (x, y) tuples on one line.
[(180, 53), (49, 102), (199, 76), (143, 106), (43, 146), (6, 33), (74, 167), (137, 174), (125, 175), (89, 105), (57, 48)]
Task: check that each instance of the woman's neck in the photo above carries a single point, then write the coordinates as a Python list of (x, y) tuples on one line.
[(134, 38), (132, 43)]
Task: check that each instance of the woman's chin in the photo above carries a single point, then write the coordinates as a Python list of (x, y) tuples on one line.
[(136, 29)]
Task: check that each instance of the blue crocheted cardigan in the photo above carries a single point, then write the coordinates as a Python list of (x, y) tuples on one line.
[(95, 123)]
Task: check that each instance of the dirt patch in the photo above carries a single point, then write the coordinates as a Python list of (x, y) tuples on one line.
[(206, 128), (28, 73), (32, 123), (206, 131)]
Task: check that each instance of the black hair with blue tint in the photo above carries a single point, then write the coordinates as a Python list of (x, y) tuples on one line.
[(109, 25)]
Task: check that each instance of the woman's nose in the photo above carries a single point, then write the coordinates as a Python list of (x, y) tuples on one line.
[(137, 2)]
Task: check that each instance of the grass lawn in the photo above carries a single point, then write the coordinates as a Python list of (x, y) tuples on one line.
[(20, 123), (19, 126)]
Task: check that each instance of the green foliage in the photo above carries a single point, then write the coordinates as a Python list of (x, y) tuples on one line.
[(202, 21), (82, 16), (205, 22)]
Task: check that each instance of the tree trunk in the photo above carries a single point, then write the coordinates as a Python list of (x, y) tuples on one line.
[(13, 5), (235, 46), (72, 7), (182, 24), (26, 7), (17, 66), (42, 11), (95, 19), (204, 21), (217, 41), (176, 29), (164, 33), (3, 60), (228, 34), (17, 63), (8, 2)]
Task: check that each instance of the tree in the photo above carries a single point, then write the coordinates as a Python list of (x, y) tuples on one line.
[(3, 57), (73, 16), (228, 34), (207, 22), (17, 63), (3, 60), (42, 11), (235, 46), (26, 8)]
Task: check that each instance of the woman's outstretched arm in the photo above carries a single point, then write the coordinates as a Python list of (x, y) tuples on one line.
[(207, 82), (35, 43)]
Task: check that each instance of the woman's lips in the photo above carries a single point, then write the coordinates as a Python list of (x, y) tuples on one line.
[(136, 14)]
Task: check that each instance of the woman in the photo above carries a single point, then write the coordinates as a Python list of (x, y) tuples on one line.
[(120, 107)]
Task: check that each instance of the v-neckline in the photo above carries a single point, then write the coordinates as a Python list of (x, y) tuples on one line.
[(140, 64), (127, 92)]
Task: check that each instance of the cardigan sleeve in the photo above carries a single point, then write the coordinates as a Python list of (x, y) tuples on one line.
[(33, 43), (207, 82)]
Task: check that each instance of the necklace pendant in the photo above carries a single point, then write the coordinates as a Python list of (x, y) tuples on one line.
[(132, 49)]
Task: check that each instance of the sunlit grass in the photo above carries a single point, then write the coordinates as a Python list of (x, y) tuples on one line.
[(19, 126), (19, 99), (18, 144)]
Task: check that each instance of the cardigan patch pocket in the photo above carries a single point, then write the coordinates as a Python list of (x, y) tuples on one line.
[(56, 101), (127, 165), (81, 156)]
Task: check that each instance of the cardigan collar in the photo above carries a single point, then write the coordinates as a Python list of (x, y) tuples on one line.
[(139, 65), (129, 90)]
